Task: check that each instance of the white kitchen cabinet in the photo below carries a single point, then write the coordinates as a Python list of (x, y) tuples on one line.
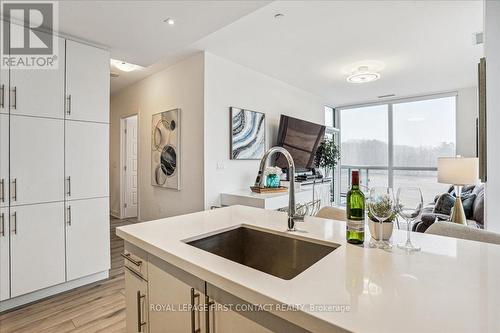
[(37, 247), (136, 303), (36, 160), (229, 321), (87, 83), (87, 237), (39, 92), (4, 254), (4, 89), (185, 302), (87, 160), (4, 160)]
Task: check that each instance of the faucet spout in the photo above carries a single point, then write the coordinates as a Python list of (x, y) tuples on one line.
[(259, 181)]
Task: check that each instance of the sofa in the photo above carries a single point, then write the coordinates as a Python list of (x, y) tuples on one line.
[(475, 216)]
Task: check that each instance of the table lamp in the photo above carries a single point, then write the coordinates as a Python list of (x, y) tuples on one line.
[(458, 171)]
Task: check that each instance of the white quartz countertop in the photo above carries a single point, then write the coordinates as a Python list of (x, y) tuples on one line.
[(450, 286)]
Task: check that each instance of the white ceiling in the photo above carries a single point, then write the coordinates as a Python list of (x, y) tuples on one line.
[(134, 31), (421, 46)]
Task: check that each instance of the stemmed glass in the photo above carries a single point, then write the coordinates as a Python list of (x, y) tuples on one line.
[(409, 203), (381, 206)]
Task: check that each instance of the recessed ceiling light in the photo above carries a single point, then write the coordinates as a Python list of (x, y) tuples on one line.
[(124, 66), (363, 75), (169, 21), (279, 15)]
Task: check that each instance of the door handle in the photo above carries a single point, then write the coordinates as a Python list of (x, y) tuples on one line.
[(2, 224), (208, 307), (69, 186), (140, 323), (68, 104), (14, 100), (194, 296), (2, 96), (14, 223), (14, 189), (2, 190), (69, 215)]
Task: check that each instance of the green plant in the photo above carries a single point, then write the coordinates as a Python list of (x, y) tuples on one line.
[(327, 154)]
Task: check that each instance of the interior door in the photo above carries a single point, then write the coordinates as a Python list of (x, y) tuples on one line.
[(4, 160), (40, 91), (87, 237), (4, 254), (37, 247), (87, 160), (36, 160), (87, 83), (130, 172)]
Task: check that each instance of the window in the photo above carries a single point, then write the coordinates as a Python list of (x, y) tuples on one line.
[(329, 116), (397, 144)]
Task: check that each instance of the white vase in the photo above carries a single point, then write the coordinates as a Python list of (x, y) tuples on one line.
[(375, 229)]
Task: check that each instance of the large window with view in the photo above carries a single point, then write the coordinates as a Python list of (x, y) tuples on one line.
[(397, 143)]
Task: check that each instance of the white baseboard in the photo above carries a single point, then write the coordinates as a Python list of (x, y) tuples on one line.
[(44, 293)]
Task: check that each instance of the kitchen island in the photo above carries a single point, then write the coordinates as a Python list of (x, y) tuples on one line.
[(450, 286)]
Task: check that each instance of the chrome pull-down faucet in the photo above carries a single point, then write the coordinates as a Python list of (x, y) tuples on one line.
[(259, 181)]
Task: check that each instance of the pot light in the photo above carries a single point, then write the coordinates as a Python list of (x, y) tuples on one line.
[(169, 21), (124, 66), (279, 16), (363, 75)]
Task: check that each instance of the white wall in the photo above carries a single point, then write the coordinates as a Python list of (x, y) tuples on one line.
[(228, 84), (492, 53), (467, 112), (180, 86)]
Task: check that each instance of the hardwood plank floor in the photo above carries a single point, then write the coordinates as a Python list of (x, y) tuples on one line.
[(98, 307)]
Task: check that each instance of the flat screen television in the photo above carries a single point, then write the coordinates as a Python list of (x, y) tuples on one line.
[(301, 138)]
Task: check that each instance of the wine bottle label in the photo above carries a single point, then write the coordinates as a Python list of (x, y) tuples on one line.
[(356, 225)]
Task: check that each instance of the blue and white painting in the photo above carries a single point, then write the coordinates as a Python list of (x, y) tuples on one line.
[(248, 134)]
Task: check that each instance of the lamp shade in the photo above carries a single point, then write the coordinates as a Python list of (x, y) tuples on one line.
[(458, 170)]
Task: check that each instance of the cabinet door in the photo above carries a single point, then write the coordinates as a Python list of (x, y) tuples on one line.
[(4, 89), (87, 156), (87, 237), (36, 160), (4, 254), (136, 303), (228, 321), (183, 302), (39, 92), (4, 160), (37, 247), (87, 83)]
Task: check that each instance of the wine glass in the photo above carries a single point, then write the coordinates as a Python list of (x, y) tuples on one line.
[(409, 206), (381, 206)]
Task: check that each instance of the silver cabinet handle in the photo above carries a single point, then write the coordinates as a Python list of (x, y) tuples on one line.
[(69, 215), (2, 190), (140, 323), (208, 307), (2, 96), (14, 223), (69, 186), (194, 296), (2, 225), (68, 104), (14, 189), (13, 104), (129, 258)]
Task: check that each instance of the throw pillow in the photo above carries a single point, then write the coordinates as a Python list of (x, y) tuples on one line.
[(444, 204), (468, 203)]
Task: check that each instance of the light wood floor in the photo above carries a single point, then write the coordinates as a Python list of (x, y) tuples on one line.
[(98, 307)]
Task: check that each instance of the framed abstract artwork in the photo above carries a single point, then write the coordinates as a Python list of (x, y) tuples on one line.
[(165, 149), (248, 134)]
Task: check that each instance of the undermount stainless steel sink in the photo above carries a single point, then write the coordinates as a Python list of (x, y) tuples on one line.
[(279, 255)]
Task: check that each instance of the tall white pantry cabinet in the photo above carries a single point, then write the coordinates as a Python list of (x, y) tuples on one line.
[(54, 171)]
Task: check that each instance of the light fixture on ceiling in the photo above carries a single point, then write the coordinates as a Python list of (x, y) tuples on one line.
[(363, 75), (124, 66), (169, 21)]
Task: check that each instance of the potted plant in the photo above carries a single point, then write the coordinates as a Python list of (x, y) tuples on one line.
[(327, 156), (388, 224)]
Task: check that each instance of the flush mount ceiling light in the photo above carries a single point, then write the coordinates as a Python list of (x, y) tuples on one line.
[(169, 21), (363, 75), (124, 66)]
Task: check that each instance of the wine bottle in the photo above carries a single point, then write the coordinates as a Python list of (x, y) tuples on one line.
[(355, 230)]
